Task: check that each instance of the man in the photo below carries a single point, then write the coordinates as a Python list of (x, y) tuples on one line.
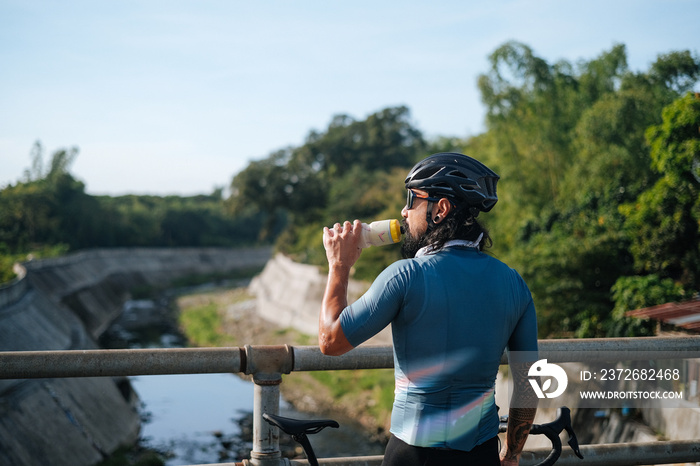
[(453, 311)]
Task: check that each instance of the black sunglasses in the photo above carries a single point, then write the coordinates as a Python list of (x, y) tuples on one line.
[(411, 196)]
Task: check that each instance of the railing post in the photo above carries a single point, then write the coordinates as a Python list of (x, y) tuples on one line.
[(267, 364)]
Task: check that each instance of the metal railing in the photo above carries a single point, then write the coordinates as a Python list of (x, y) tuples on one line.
[(267, 364)]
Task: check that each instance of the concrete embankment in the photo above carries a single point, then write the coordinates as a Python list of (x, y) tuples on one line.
[(290, 294), (65, 304)]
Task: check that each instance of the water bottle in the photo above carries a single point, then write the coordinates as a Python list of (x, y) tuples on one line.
[(380, 233)]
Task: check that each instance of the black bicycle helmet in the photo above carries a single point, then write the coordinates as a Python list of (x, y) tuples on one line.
[(460, 178)]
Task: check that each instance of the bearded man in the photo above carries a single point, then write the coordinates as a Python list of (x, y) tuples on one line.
[(453, 310)]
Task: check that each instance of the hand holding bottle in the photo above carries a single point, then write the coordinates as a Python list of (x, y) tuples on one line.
[(343, 243), (380, 233)]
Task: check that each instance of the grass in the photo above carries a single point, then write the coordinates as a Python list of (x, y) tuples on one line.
[(202, 316), (371, 388), (202, 326), (206, 320), (292, 336), (8, 260)]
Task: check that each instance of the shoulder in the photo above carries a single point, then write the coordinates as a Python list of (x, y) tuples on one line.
[(401, 274), (495, 267), (501, 266), (403, 267)]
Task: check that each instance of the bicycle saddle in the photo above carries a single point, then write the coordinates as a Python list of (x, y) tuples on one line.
[(299, 426)]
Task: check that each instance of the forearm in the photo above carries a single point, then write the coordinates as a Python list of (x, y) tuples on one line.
[(335, 299), (523, 407), (331, 338), (519, 423), (342, 251)]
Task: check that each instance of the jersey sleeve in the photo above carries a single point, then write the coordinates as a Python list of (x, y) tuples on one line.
[(522, 344), (376, 309)]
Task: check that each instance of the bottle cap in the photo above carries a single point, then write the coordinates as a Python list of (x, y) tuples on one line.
[(395, 230)]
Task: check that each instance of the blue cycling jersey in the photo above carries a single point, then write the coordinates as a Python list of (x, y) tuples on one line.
[(452, 314)]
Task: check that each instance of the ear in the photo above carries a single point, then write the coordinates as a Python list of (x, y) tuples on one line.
[(441, 209)]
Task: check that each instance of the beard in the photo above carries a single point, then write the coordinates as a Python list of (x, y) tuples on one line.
[(411, 244)]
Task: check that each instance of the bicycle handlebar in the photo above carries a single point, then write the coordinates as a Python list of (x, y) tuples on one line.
[(551, 430)]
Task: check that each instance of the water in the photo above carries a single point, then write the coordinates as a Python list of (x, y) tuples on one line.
[(195, 419), (205, 418), (189, 418)]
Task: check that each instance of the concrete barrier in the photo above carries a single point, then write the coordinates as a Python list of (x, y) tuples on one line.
[(65, 304), (290, 294), (95, 283), (12, 292)]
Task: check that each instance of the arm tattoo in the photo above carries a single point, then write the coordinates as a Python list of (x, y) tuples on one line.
[(519, 423), (522, 411)]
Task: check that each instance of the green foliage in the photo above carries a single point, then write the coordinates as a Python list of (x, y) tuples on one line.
[(384, 139), (568, 141), (532, 108), (354, 169), (664, 221), (570, 260), (367, 196), (675, 72), (644, 291), (378, 385), (8, 259), (50, 208), (202, 325), (636, 292), (38, 217)]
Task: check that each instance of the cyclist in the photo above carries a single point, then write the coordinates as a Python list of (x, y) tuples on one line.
[(453, 310)]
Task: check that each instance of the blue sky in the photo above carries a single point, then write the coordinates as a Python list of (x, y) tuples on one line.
[(175, 97)]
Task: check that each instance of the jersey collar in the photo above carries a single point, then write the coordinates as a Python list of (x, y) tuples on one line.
[(455, 242)]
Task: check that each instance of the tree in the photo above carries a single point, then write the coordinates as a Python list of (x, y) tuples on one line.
[(532, 108), (385, 139), (676, 71), (49, 212), (638, 292), (664, 222), (568, 142), (334, 168)]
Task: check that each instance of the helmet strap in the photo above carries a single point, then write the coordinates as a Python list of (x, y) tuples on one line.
[(429, 216)]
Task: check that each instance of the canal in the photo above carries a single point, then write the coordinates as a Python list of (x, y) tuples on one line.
[(205, 418)]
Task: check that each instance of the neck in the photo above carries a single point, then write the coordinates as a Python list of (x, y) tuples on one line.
[(431, 249)]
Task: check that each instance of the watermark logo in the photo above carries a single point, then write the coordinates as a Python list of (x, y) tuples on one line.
[(544, 369)]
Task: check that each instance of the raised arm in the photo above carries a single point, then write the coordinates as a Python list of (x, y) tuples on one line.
[(342, 251)]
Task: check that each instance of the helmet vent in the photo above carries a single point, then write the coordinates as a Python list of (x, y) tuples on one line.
[(428, 172), (459, 174)]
